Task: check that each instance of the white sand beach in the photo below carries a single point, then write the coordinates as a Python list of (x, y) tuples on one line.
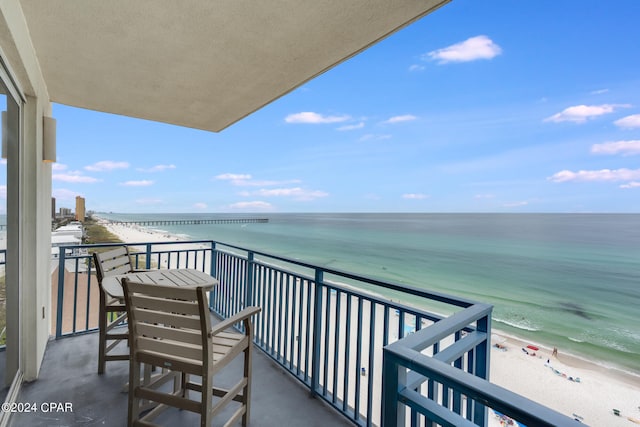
[(593, 398), (555, 384), (132, 233)]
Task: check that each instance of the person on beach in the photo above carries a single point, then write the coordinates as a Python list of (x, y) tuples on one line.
[(555, 352)]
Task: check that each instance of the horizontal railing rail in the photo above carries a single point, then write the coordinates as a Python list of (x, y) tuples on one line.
[(318, 323), (329, 328), (437, 389), (76, 284)]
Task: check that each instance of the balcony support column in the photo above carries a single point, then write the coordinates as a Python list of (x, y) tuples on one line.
[(317, 331), (482, 353), (248, 298), (395, 377)]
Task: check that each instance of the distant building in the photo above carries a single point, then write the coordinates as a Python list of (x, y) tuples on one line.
[(65, 213), (53, 208), (63, 240), (80, 210), (67, 235), (73, 229)]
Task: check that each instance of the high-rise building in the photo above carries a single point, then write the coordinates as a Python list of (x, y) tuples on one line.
[(65, 213), (80, 210), (53, 208)]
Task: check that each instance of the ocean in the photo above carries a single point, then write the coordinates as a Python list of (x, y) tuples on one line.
[(570, 281)]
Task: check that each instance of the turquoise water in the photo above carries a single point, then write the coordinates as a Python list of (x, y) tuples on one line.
[(566, 280)]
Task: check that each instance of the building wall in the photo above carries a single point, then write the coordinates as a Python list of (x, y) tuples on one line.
[(29, 201), (80, 209)]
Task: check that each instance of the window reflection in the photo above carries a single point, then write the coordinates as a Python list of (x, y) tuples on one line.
[(9, 244), (3, 245)]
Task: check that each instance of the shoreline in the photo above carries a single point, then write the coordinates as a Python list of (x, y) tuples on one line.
[(620, 373), (601, 388)]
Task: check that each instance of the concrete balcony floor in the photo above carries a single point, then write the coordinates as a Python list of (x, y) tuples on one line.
[(69, 374)]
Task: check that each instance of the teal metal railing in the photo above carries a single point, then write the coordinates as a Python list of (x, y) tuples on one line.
[(331, 330), (430, 379), (77, 286)]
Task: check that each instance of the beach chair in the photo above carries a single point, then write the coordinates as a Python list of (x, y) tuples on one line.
[(112, 311), (170, 327)]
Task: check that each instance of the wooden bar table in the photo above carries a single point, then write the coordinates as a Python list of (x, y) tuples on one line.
[(180, 277)]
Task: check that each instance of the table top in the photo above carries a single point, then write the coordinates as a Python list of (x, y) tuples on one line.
[(181, 277)]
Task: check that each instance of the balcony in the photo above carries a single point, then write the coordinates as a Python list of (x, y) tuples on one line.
[(352, 342), (68, 376)]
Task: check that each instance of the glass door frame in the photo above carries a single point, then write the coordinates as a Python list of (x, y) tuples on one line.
[(13, 288)]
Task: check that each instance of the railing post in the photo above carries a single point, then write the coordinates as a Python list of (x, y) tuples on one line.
[(248, 297), (392, 413), (61, 260), (482, 353), (317, 330), (147, 263), (214, 256), (213, 294)]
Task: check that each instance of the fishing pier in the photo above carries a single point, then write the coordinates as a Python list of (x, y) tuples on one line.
[(194, 221)]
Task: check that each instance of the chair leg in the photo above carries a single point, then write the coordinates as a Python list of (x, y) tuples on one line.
[(206, 400), (133, 412), (102, 339), (184, 379), (246, 393)]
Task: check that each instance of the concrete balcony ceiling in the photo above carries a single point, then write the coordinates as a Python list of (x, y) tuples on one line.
[(203, 64)]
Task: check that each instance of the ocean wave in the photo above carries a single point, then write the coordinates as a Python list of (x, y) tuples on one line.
[(626, 333), (598, 340), (523, 324), (615, 345)]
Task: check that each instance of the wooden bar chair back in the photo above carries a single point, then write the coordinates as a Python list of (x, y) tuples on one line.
[(112, 311), (170, 327)]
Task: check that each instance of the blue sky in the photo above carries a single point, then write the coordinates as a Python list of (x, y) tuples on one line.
[(482, 106)]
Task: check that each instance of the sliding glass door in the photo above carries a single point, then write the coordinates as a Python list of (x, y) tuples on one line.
[(9, 240)]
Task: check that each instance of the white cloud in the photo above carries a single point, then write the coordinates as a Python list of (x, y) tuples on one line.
[(599, 91), (515, 204), (64, 194), (233, 177), (106, 165), (267, 183), (472, 49), (605, 175), (157, 168), (629, 122), (351, 127), (142, 183), (415, 196), (296, 193), (3, 191), (626, 148), (416, 67), (484, 196), (58, 167), (245, 180), (632, 184), (400, 119), (200, 205), (257, 205), (374, 137), (582, 113), (75, 176), (314, 118)]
